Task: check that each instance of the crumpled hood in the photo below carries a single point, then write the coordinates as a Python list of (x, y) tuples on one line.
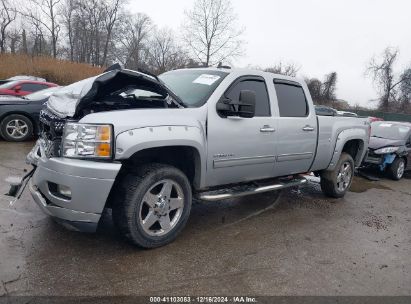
[(68, 101), (12, 100), (63, 103), (377, 143)]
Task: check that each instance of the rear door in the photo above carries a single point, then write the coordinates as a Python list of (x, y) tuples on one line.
[(296, 140), (241, 149)]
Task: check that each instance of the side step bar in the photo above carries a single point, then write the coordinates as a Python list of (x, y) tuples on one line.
[(251, 188)]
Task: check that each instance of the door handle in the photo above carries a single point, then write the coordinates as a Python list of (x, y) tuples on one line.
[(308, 128), (266, 129)]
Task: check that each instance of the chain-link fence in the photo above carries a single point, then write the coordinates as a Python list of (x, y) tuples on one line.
[(385, 116)]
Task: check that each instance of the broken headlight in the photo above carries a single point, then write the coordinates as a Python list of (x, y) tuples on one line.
[(87, 141), (386, 150)]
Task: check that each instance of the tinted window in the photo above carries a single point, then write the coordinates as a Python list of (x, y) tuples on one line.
[(291, 100), (33, 87), (262, 102)]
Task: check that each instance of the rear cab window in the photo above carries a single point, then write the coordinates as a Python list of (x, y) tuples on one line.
[(292, 101)]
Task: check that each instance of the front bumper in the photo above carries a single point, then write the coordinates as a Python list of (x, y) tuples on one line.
[(90, 183), (374, 159)]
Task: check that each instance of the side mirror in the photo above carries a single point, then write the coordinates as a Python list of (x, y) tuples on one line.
[(244, 107), (17, 88)]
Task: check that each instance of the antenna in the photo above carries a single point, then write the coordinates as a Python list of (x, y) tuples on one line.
[(221, 66)]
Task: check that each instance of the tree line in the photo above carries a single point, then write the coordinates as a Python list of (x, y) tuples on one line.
[(101, 32)]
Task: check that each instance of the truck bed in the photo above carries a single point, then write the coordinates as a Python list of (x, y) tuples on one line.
[(329, 129)]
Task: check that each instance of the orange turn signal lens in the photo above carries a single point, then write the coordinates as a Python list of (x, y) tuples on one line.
[(103, 150), (104, 133)]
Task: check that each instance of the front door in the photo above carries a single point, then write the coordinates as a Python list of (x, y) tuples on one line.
[(241, 149), (297, 129)]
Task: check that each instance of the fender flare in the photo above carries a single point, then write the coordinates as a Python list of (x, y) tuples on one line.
[(344, 137), (132, 141)]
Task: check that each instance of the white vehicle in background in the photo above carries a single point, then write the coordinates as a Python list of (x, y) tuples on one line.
[(347, 114), (26, 77)]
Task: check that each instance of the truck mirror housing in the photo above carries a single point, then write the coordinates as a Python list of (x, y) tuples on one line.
[(244, 107)]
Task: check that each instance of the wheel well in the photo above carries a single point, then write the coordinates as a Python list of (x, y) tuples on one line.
[(353, 147), (185, 158)]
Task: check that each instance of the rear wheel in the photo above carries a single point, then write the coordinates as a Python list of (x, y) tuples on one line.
[(396, 169), (153, 206), (16, 128), (337, 182)]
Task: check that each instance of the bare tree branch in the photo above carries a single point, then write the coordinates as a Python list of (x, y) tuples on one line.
[(211, 31)]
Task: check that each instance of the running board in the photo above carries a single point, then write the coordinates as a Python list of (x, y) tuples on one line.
[(250, 188)]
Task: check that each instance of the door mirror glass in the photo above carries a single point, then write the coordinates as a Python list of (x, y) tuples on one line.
[(244, 107), (17, 88)]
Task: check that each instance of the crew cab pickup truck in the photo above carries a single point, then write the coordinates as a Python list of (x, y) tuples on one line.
[(145, 146)]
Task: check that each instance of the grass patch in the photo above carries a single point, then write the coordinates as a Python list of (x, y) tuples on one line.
[(62, 72)]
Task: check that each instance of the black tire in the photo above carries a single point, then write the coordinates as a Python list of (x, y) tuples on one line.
[(329, 183), (24, 123), (396, 169), (128, 204)]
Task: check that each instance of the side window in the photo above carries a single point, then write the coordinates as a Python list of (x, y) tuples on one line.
[(262, 102), (291, 100), (33, 87)]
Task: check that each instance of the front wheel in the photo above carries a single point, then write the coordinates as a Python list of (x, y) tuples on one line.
[(337, 182), (16, 127), (153, 206), (396, 169)]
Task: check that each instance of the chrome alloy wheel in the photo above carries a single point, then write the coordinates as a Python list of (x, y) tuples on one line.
[(17, 128), (401, 169), (344, 176), (161, 208)]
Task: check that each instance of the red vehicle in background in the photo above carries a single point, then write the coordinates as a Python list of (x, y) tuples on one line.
[(24, 87), (372, 119)]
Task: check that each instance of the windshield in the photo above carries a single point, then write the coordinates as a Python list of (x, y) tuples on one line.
[(8, 85), (42, 93), (389, 130), (193, 87)]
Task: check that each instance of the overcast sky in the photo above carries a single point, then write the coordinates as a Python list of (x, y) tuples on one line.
[(319, 35)]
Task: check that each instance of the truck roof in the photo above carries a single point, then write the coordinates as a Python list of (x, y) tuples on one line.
[(245, 71)]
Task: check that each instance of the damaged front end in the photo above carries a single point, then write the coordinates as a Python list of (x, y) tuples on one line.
[(381, 161), (112, 91), (117, 89)]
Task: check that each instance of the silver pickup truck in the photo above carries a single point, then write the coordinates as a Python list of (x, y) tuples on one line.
[(144, 146)]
